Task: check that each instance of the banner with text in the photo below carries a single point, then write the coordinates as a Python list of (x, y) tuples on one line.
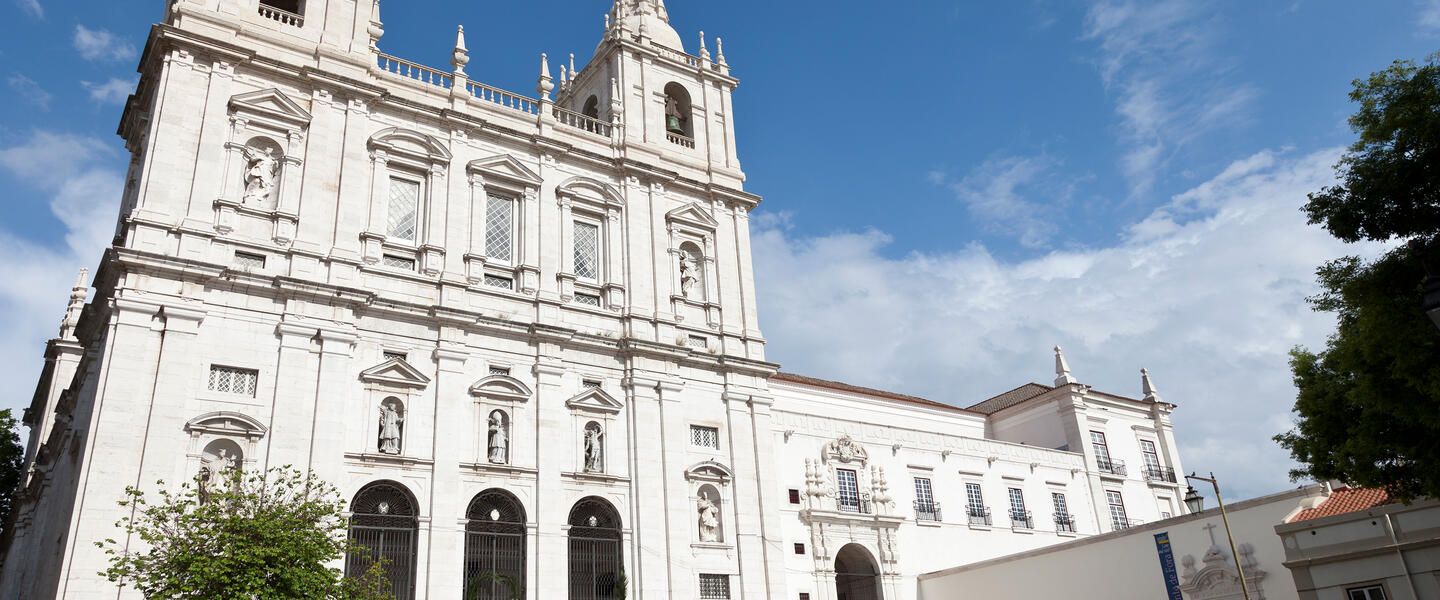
[(1167, 566)]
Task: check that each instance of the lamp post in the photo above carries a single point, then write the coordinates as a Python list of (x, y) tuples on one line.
[(1196, 504)]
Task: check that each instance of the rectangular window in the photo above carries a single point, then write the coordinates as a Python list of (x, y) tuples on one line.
[(500, 371), (500, 228), (794, 496), (714, 587), (804, 596), (1369, 592), (1152, 459), (495, 281), (849, 490), (398, 262), (698, 342), (1102, 450), (587, 251), (245, 260), (402, 217), (705, 437), (925, 509), (395, 355), (231, 380), (1063, 521), (1165, 514), (1118, 520), (1018, 516), (799, 548), (587, 299), (590, 384), (975, 505)]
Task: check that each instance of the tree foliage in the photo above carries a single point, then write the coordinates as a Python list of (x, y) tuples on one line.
[(12, 463), (259, 536), (1369, 403)]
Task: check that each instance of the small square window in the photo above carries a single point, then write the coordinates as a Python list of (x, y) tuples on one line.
[(804, 596), (705, 437), (398, 262), (495, 281), (389, 355), (800, 548), (587, 299), (231, 380), (714, 587), (499, 371), (794, 496), (1369, 592), (591, 384), (698, 342), (246, 260)]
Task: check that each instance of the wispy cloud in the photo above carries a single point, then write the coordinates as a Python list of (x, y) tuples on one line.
[(115, 91), (32, 7), (1208, 292), (1158, 60), (101, 45), (1430, 14), (30, 91), (997, 194)]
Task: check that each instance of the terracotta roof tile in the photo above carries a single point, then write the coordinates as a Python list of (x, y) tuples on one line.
[(845, 387), (1344, 501), (1011, 398)]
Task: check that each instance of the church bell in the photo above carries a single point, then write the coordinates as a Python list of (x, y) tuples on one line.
[(672, 124)]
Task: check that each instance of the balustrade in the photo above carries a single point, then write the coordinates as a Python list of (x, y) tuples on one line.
[(283, 16), (681, 140), (503, 98), (1021, 519), (410, 70), (582, 122), (1164, 474)]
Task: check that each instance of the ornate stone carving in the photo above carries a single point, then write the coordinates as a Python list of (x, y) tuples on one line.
[(846, 450), (688, 276), (709, 520), (1219, 579), (391, 423), (594, 449), (499, 439), (262, 172)]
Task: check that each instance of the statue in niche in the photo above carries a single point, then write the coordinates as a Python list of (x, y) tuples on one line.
[(594, 449), (202, 484), (499, 439), (688, 277), (262, 168), (709, 520), (390, 423)]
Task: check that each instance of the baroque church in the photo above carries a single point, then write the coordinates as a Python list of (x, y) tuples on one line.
[(519, 332)]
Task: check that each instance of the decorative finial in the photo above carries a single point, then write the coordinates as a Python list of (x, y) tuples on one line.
[(704, 52), (564, 78), (461, 56), (1062, 369), (76, 305), (546, 83), (616, 106), (720, 51), (572, 65), (377, 27), (1148, 387)]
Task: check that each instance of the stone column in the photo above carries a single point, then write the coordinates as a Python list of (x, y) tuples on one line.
[(447, 506), (479, 207), (553, 446), (335, 388), (650, 471), (756, 514)]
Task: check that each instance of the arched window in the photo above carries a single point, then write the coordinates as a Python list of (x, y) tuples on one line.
[(677, 110), (494, 547), (384, 523), (595, 563), (709, 515), (692, 272), (592, 108), (856, 577)]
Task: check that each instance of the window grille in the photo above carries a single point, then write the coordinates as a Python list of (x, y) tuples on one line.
[(587, 251), (587, 299), (925, 508), (504, 283), (714, 587), (494, 545), (500, 228), (698, 342), (705, 437), (1369, 592), (590, 384), (974, 498), (849, 490), (245, 260), (1061, 506), (804, 596), (396, 356), (230, 380), (384, 524), (398, 262), (500, 371), (404, 208)]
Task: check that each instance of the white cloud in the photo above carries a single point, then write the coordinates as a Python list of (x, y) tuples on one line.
[(77, 178), (101, 45), (115, 91), (1157, 59), (993, 195), (1430, 14), (30, 91), (1208, 293), (33, 7)]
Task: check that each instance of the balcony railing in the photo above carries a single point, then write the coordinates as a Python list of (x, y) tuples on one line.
[(503, 98), (283, 16), (859, 505), (1164, 474), (1064, 522), (1118, 523), (417, 72), (1112, 466), (979, 515), (1022, 519), (927, 511), (680, 140), (582, 122)]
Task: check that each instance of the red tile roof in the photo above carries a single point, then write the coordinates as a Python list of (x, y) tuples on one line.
[(845, 387), (1011, 398), (1343, 501)]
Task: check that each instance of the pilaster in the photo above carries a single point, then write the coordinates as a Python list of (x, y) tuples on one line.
[(447, 504)]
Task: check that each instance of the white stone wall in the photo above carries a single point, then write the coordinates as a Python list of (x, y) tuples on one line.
[(1394, 546)]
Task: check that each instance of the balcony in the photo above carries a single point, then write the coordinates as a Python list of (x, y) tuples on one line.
[(680, 140), (1021, 519), (1064, 523), (979, 515), (1160, 474), (1110, 466), (1118, 523), (285, 17), (851, 504), (927, 511)]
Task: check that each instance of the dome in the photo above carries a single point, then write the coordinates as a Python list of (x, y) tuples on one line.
[(629, 15)]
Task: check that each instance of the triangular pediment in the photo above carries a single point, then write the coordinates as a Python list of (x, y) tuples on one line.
[(595, 400), (272, 103), (505, 167), (395, 372), (501, 387), (693, 214)]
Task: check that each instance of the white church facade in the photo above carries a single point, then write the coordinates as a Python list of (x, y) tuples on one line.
[(518, 332)]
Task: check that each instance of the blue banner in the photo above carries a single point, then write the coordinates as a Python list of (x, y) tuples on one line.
[(1167, 566)]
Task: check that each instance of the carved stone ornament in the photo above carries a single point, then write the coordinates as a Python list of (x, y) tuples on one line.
[(846, 450), (709, 520), (391, 422), (1219, 579), (262, 172)]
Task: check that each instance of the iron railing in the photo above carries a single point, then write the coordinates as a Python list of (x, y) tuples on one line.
[(1118, 523), (979, 515), (1064, 522), (860, 505), (1109, 465), (1164, 474), (1022, 519), (927, 511)]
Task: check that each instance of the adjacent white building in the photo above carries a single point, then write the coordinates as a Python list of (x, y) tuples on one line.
[(519, 332), (1362, 545)]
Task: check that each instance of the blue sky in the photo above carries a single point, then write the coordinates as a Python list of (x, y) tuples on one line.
[(951, 188)]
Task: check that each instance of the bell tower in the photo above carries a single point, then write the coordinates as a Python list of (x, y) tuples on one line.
[(670, 104)]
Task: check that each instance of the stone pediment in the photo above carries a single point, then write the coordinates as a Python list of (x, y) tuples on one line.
[(591, 190), (505, 167), (694, 215), (405, 142), (596, 401), (710, 471), (227, 424), (502, 387), (271, 103), (395, 372)]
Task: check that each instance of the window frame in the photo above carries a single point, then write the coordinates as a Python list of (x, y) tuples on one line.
[(1366, 589), (579, 218), (840, 490), (698, 427), (1115, 499), (422, 185), (1149, 452), (493, 193), (925, 504)]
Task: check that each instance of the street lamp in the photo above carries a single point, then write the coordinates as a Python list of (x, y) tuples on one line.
[(1195, 503)]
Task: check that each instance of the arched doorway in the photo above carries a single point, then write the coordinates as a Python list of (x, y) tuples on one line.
[(494, 547), (856, 577), (384, 522), (595, 563)]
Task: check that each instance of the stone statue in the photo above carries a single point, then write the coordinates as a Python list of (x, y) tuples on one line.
[(709, 520), (390, 422), (261, 170), (202, 484), (499, 440), (687, 275), (594, 451)]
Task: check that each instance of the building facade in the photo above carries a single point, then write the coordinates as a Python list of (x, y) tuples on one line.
[(1362, 545), (519, 332)]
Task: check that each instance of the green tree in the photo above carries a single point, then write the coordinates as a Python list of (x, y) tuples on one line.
[(12, 463), (1369, 403), (259, 536)]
